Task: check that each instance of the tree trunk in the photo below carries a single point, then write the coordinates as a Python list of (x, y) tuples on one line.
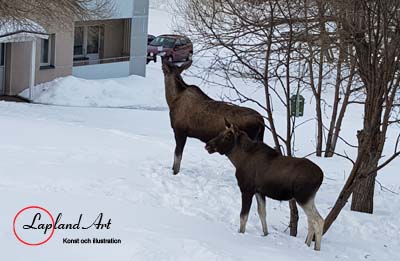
[(363, 192), (363, 195), (332, 125), (344, 194), (360, 172), (332, 145), (319, 128), (370, 139)]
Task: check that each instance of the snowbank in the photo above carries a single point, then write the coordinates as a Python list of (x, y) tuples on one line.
[(132, 92)]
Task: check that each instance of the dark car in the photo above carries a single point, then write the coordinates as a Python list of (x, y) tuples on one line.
[(176, 47)]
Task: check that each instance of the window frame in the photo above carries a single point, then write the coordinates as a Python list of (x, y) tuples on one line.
[(2, 54), (50, 51), (85, 54), (83, 42)]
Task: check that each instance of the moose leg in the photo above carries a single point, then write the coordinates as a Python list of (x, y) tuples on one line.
[(319, 228), (180, 139), (311, 232), (315, 224), (244, 213), (262, 212)]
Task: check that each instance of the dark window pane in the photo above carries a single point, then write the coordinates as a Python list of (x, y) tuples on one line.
[(2, 50), (78, 41), (45, 51), (163, 41), (93, 39)]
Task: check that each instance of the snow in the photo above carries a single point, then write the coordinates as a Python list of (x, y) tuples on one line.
[(117, 161), (20, 31), (7, 27), (131, 92), (85, 157)]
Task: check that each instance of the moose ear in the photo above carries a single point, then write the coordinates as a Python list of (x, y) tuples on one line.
[(228, 125), (165, 60), (184, 66), (167, 66)]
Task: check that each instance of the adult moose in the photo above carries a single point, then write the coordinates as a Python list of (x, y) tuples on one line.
[(261, 171), (194, 114)]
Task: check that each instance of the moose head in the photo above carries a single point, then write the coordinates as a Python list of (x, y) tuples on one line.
[(173, 68), (225, 141)]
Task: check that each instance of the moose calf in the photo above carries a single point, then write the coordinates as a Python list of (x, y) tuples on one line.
[(262, 171)]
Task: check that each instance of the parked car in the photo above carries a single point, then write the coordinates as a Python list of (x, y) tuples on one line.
[(177, 47)]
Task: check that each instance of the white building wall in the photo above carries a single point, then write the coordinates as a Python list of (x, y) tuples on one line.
[(139, 29), (102, 71), (138, 10), (123, 9)]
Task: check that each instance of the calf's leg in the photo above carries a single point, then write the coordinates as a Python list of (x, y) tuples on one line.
[(180, 139), (262, 212), (315, 224), (244, 213), (311, 232)]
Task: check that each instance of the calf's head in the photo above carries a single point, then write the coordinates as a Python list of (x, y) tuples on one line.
[(225, 141)]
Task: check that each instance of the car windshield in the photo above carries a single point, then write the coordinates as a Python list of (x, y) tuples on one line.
[(163, 41)]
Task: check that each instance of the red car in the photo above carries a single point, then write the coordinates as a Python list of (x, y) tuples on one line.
[(178, 48)]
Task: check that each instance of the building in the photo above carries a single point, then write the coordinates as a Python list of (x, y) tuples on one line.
[(106, 48)]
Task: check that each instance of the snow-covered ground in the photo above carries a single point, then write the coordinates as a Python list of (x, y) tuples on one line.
[(117, 161)]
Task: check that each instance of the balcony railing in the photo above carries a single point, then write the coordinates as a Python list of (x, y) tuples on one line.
[(86, 61)]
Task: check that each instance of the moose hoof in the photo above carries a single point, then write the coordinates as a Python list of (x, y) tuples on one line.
[(309, 239), (265, 234), (175, 170)]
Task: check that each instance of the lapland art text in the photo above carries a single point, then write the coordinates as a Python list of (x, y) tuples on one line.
[(97, 223)]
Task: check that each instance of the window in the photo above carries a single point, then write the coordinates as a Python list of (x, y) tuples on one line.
[(2, 51), (93, 38), (87, 42), (163, 41), (79, 41), (183, 41), (47, 51), (178, 43)]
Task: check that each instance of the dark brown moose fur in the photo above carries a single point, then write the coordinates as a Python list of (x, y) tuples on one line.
[(194, 114), (261, 171)]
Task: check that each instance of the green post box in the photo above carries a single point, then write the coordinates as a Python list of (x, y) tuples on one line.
[(297, 105)]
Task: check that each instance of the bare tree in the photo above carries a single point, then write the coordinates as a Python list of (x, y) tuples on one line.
[(373, 28), (20, 12), (265, 42), (248, 44)]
